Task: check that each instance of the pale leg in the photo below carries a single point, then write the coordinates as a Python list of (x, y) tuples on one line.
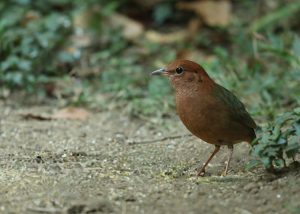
[(228, 160)]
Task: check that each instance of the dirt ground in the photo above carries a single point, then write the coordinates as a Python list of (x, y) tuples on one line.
[(92, 166)]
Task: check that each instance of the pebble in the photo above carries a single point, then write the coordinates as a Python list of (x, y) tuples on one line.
[(250, 186)]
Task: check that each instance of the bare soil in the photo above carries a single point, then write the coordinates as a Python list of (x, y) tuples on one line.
[(91, 166)]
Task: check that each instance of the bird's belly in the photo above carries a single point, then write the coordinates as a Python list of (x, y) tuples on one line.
[(213, 128), (200, 128)]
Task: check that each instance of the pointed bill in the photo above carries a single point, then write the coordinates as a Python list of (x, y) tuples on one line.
[(159, 71)]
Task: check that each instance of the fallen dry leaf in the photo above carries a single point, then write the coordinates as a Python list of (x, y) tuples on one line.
[(34, 116), (81, 40), (213, 13), (165, 38), (69, 113), (131, 29), (193, 27), (30, 16), (82, 19), (194, 55)]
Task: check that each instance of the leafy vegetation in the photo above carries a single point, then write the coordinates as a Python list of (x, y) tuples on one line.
[(31, 34), (278, 142)]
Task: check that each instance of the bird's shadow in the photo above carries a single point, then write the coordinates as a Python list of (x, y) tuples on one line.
[(226, 179), (234, 177), (213, 175)]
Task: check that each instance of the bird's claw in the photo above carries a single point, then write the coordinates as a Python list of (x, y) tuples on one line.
[(201, 172), (224, 173)]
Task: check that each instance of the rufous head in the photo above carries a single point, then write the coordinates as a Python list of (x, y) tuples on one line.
[(185, 74)]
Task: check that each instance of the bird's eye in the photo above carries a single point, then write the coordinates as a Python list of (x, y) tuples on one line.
[(179, 70)]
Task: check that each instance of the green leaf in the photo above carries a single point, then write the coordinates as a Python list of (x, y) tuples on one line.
[(297, 128), (279, 162), (252, 164), (258, 149), (24, 65), (281, 141), (293, 147), (296, 46), (297, 111), (162, 12), (66, 57), (288, 132), (266, 162), (283, 118), (271, 152), (276, 132)]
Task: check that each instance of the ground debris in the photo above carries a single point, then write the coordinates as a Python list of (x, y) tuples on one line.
[(95, 206), (68, 113), (159, 140), (44, 209)]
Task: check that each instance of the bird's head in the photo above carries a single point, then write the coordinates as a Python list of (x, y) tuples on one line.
[(185, 74)]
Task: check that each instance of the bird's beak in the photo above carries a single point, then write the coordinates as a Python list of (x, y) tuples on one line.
[(159, 72)]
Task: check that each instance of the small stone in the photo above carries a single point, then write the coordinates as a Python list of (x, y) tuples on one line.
[(98, 206), (39, 159), (130, 198), (250, 186)]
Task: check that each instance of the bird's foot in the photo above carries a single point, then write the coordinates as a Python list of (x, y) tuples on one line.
[(201, 172), (224, 173)]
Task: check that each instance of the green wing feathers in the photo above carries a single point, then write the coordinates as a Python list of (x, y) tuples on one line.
[(235, 106)]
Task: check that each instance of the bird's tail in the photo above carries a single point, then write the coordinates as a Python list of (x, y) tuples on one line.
[(254, 137)]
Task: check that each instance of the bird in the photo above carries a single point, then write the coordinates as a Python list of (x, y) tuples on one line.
[(208, 110)]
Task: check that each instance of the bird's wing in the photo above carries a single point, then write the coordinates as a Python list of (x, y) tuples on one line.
[(235, 106)]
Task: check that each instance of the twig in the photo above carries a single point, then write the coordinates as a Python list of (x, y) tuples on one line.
[(159, 140), (44, 209)]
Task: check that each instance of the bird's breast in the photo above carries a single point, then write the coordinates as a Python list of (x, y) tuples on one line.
[(208, 119), (194, 112)]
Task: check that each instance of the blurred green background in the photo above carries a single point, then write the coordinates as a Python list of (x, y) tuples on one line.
[(88, 53)]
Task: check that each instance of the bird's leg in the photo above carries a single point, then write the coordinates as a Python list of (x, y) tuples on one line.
[(230, 147), (201, 171)]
